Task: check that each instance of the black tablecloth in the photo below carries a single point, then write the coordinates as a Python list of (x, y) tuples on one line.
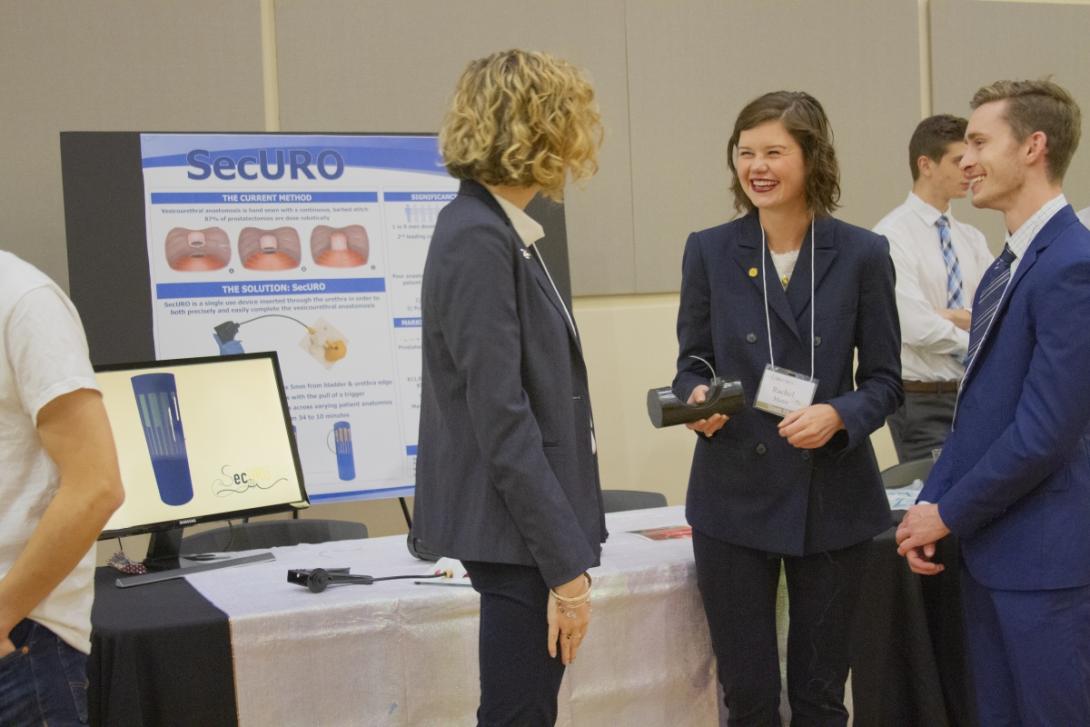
[(908, 662), (160, 655)]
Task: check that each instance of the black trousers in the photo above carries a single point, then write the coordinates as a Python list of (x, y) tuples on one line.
[(738, 586), (519, 681), (921, 424)]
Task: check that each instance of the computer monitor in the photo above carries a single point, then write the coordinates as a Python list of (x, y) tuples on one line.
[(199, 439)]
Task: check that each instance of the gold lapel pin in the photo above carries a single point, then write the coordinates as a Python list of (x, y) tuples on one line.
[(753, 272)]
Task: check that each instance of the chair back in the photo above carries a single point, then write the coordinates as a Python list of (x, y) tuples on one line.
[(619, 500), (271, 534), (904, 474)]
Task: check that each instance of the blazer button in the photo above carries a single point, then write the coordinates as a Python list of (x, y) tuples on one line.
[(805, 455), (761, 449), (817, 340), (751, 338)]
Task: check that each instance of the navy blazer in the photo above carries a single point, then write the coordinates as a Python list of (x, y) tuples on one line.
[(748, 486), (505, 470), (1013, 480)]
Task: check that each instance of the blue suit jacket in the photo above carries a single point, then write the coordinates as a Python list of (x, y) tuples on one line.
[(505, 471), (748, 486), (1013, 480)]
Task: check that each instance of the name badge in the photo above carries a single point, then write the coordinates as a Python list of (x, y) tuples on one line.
[(782, 391)]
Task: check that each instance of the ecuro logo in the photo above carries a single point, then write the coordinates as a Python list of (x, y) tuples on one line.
[(267, 164)]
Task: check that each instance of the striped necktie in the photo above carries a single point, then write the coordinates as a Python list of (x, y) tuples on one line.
[(955, 298), (989, 294)]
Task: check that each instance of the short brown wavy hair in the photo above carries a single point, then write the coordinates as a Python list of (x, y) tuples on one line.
[(1039, 106), (522, 118), (931, 138), (805, 119)]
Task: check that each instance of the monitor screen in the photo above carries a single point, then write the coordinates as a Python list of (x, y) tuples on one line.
[(200, 439)]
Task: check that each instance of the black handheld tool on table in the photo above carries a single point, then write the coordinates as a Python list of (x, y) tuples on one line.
[(319, 579)]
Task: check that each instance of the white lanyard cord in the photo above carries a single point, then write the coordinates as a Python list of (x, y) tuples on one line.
[(764, 289), (563, 305)]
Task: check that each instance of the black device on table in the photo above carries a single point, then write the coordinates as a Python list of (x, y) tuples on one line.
[(319, 579)]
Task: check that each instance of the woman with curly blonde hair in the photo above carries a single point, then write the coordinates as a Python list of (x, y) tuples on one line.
[(507, 472)]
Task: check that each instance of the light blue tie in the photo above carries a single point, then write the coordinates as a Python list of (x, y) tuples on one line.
[(955, 298)]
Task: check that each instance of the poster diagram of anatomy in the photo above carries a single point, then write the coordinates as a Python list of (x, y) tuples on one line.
[(312, 246)]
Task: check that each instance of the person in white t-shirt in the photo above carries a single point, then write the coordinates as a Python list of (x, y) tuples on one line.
[(59, 483), (939, 262)]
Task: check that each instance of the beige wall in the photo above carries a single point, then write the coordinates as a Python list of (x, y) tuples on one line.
[(670, 76), (100, 66)]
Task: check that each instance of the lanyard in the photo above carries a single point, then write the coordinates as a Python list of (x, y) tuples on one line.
[(563, 305), (813, 301)]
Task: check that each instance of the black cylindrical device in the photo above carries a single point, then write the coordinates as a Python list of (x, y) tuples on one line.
[(666, 410)]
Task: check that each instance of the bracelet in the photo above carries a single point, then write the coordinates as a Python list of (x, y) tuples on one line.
[(574, 601), (571, 611)]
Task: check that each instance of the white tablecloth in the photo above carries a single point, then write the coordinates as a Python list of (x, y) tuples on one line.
[(395, 653)]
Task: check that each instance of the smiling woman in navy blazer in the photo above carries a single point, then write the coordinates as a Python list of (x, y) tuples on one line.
[(507, 473), (803, 489)]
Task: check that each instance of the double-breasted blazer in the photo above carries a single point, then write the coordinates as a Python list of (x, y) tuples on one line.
[(1013, 480), (506, 467), (747, 485)]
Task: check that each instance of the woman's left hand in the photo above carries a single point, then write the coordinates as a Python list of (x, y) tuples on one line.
[(567, 624), (811, 427)]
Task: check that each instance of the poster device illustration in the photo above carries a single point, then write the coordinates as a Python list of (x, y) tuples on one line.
[(309, 245), (199, 440)]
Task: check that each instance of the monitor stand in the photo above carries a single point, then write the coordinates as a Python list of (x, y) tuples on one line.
[(164, 551), (164, 561)]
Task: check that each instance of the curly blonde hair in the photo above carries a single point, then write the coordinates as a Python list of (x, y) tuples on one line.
[(522, 118)]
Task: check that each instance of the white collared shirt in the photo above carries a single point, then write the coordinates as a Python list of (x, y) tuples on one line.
[(1019, 240), (528, 229), (931, 346)]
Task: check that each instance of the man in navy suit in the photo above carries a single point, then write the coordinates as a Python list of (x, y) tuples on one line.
[(1013, 480)]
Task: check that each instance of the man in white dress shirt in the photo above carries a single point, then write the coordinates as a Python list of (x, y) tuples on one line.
[(939, 263)]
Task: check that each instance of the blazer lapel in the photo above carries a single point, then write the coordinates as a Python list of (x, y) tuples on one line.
[(1059, 222), (747, 255), (824, 252), (537, 270)]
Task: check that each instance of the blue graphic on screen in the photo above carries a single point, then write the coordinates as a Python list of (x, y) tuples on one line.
[(346, 461), (157, 400)]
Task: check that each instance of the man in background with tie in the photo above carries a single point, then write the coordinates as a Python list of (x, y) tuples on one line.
[(1013, 480), (939, 261)]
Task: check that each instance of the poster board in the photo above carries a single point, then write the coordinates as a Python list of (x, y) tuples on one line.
[(311, 245)]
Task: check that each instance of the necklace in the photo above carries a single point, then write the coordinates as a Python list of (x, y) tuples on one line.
[(785, 265)]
